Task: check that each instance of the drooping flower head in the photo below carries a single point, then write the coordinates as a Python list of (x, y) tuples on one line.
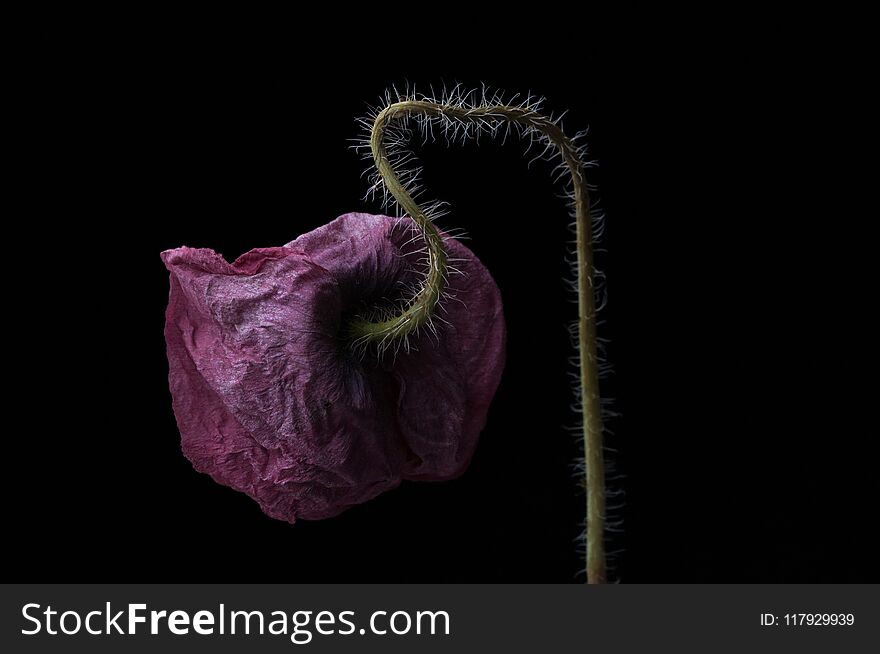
[(272, 400)]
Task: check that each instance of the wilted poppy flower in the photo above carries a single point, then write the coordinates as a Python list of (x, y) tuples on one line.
[(269, 397)]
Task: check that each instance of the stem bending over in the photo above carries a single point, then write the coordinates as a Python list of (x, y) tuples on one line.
[(457, 113)]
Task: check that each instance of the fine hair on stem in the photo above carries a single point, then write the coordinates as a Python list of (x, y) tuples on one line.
[(459, 115)]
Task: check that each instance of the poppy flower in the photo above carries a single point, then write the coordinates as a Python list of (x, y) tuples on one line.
[(271, 399)]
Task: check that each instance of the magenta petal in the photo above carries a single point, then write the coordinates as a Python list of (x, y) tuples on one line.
[(269, 400)]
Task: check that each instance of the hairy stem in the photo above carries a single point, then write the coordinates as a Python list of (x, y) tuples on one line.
[(420, 307)]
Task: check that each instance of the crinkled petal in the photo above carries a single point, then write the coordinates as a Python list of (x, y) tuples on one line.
[(271, 402)]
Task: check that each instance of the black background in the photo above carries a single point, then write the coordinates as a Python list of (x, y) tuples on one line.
[(228, 147)]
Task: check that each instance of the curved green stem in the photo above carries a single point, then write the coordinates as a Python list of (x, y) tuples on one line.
[(420, 307)]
